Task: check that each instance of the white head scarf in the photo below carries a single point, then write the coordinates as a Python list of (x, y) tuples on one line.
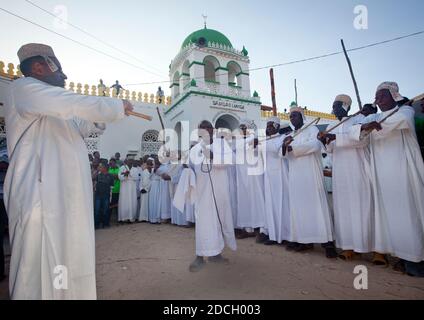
[(295, 108), (345, 99), (393, 88)]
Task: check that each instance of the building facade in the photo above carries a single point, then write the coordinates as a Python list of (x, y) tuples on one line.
[(209, 80)]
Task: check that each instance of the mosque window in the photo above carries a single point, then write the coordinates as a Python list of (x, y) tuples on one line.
[(211, 65), (150, 143), (234, 77)]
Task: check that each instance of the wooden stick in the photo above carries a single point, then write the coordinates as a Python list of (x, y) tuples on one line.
[(139, 115), (274, 103), (160, 118), (306, 127), (364, 134), (389, 115), (352, 75), (296, 133), (295, 90), (340, 123)]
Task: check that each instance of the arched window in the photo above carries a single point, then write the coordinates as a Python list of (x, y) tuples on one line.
[(211, 64), (149, 143), (185, 75), (234, 70)]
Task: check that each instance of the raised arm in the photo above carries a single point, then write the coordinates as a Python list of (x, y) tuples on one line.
[(47, 100)]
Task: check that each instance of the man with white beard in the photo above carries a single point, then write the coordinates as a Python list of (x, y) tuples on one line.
[(352, 194), (310, 219), (397, 173)]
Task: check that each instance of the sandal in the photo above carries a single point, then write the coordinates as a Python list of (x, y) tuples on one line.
[(348, 255), (400, 266), (380, 260)]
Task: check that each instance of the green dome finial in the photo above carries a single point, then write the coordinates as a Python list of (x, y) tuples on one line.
[(245, 52), (193, 83), (255, 94)]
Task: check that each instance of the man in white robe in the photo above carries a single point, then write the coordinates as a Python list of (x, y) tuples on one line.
[(397, 173), (310, 218), (209, 160), (177, 217), (277, 227), (250, 183), (154, 195), (165, 192), (145, 184), (48, 188), (127, 206), (352, 194)]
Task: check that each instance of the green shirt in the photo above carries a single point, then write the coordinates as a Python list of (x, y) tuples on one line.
[(117, 183)]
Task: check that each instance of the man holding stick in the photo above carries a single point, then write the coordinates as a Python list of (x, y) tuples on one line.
[(310, 219), (48, 188), (351, 183), (397, 172)]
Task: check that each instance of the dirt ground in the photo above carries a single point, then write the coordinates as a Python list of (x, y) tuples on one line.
[(143, 261)]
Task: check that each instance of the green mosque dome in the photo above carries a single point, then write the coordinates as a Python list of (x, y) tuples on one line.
[(207, 35)]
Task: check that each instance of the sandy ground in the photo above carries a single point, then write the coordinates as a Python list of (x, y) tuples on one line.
[(143, 261)]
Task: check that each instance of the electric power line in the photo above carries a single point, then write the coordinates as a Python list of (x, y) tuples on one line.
[(93, 36), (303, 60), (199, 78), (75, 41)]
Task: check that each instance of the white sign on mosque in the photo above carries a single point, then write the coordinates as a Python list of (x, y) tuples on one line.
[(228, 105)]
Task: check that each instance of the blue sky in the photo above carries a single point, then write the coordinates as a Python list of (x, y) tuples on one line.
[(272, 31)]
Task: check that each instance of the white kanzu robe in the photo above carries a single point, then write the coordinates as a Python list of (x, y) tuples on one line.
[(48, 190), (165, 192), (276, 193), (232, 184), (352, 194), (143, 214), (310, 220), (210, 237), (250, 185), (154, 198), (127, 206), (397, 172), (177, 217)]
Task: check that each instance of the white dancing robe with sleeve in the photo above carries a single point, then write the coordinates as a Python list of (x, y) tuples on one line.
[(48, 191), (276, 193), (310, 219), (397, 172), (127, 206), (212, 233), (352, 194)]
